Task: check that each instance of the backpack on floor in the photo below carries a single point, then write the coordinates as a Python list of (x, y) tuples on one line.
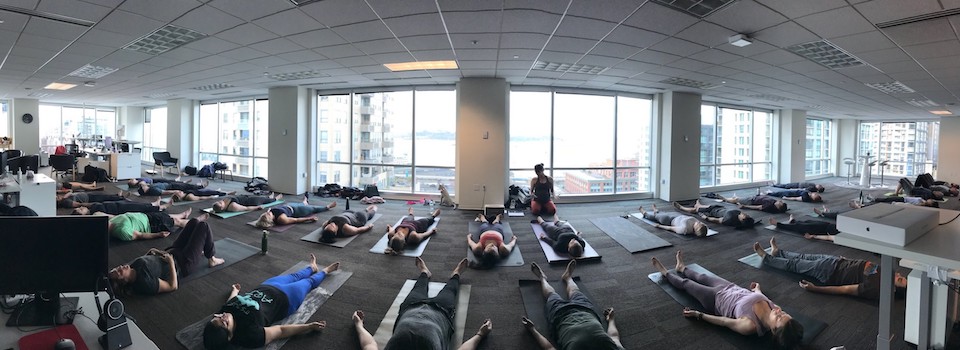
[(92, 173), (205, 171), (190, 170), (258, 186), (371, 191)]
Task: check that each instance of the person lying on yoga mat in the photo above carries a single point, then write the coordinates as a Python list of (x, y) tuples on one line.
[(718, 214), (158, 271), (292, 213), (574, 322), (744, 311), (561, 236), (490, 248), (69, 186), (198, 195), (835, 274), (676, 222), (134, 183), (541, 190), (760, 202), (120, 207), (425, 323), (346, 224), (162, 188), (905, 187), (810, 229), (81, 199), (244, 202), (926, 181), (809, 186), (134, 226), (797, 195), (411, 231), (247, 319)]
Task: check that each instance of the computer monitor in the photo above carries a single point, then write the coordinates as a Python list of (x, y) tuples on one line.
[(3, 163), (46, 256)]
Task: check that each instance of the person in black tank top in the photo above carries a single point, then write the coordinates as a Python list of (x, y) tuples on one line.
[(411, 231), (347, 224), (541, 188)]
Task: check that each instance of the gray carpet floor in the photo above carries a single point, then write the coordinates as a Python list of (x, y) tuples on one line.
[(646, 316)]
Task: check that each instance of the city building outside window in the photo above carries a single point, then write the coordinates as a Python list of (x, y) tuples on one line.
[(818, 150), (60, 124), (233, 123), (910, 148), (736, 145)]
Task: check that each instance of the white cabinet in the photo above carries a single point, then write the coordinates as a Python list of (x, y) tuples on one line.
[(39, 194), (125, 165)]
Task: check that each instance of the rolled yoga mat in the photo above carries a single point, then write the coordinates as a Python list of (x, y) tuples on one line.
[(230, 214), (385, 330), (381, 245), (710, 232), (514, 259), (191, 337), (632, 237), (341, 242), (553, 257), (228, 249)]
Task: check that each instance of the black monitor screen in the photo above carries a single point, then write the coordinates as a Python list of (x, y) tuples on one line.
[(3, 162), (52, 254)]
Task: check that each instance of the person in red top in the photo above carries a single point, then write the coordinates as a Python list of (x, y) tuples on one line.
[(490, 247)]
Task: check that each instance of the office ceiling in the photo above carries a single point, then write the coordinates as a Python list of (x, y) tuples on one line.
[(636, 46)]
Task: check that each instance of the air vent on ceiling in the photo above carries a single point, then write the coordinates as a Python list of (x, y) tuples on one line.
[(224, 93), (40, 94), (770, 97), (922, 103), (690, 83), (698, 8), (164, 39), (568, 67), (814, 107), (92, 72), (297, 75), (161, 95), (304, 2), (216, 86), (893, 87), (919, 18), (826, 54)]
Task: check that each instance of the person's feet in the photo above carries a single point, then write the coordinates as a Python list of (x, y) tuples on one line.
[(791, 220), (659, 266), (608, 314), (278, 197), (680, 265), (214, 261), (854, 205), (305, 200), (568, 273), (774, 249), (422, 266), (331, 205), (203, 217), (807, 236), (539, 219), (186, 214), (332, 267), (759, 250), (485, 328), (410, 210), (772, 221), (460, 267), (372, 208), (655, 209), (479, 218), (537, 271), (496, 220), (642, 212), (678, 206), (313, 263), (435, 213), (358, 318)]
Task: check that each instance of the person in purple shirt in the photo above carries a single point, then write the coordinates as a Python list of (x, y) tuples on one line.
[(745, 311)]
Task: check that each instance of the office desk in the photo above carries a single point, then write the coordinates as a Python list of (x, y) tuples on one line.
[(9, 336), (38, 193), (936, 248), (119, 166)]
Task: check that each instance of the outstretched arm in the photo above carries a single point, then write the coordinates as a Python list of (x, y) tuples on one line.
[(753, 207), (740, 325), (366, 339), (474, 341), (541, 340), (350, 230), (850, 289), (798, 199), (505, 249), (288, 330), (828, 238)]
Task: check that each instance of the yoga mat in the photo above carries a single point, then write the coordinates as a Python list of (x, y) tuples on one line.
[(230, 250), (191, 337), (385, 330), (412, 252), (274, 228), (339, 242), (514, 259), (710, 232), (632, 237), (553, 257), (170, 200), (534, 303), (811, 326), (230, 214), (894, 194)]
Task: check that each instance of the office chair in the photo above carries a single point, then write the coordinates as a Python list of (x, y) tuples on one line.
[(63, 164), (164, 160)]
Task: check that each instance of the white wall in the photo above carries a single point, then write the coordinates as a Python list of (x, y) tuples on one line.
[(948, 168), (847, 145), (26, 137), (680, 146), (793, 143), (132, 119), (482, 109), (181, 114), (289, 139)]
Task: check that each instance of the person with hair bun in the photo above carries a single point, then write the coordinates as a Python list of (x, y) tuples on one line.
[(541, 188)]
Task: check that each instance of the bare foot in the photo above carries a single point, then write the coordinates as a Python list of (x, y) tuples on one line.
[(410, 210), (203, 217), (537, 271), (305, 201), (332, 205), (479, 218), (659, 266), (497, 219), (680, 265), (231, 193), (774, 249), (759, 250), (807, 236), (539, 219), (608, 314), (655, 210), (642, 212), (214, 261), (372, 208), (187, 213), (772, 221), (854, 205), (313, 263), (332, 267), (278, 197), (678, 206), (568, 273), (457, 270), (791, 219), (435, 213), (422, 266)]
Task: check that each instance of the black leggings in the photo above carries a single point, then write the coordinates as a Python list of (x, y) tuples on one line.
[(809, 226), (446, 300), (195, 240)]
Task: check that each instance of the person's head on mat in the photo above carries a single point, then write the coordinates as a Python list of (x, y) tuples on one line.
[(786, 331), (746, 221), (820, 188), (133, 183), (781, 206), (937, 195), (815, 197), (329, 233), (265, 220), (80, 211), (220, 206), (700, 229)]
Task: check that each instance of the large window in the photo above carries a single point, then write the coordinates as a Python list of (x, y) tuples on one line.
[(589, 144), (235, 133), (402, 141), (154, 132), (5, 119), (736, 145), (85, 126), (818, 151), (910, 148)]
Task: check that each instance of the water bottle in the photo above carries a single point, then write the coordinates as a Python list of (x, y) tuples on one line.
[(263, 243)]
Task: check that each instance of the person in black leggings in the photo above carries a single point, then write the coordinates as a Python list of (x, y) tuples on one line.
[(81, 199)]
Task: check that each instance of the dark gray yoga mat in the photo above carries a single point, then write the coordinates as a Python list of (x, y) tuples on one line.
[(274, 228), (811, 326), (230, 250), (534, 303), (381, 246), (710, 232), (514, 259), (191, 337), (340, 242), (632, 237), (553, 257)]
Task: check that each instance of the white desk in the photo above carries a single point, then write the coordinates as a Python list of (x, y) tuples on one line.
[(936, 248), (118, 165), (38, 193), (9, 336)]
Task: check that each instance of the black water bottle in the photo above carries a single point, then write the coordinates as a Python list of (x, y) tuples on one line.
[(263, 243)]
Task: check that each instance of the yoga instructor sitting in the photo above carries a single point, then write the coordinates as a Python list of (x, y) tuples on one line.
[(541, 188), (245, 320), (489, 248), (292, 213)]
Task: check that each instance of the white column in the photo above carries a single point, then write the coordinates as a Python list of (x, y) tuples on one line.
[(482, 142), (948, 168), (680, 146), (289, 139), (180, 132), (793, 143)]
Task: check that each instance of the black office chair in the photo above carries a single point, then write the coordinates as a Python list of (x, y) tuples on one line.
[(63, 164), (30, 162), (13, 153), (164, 160)]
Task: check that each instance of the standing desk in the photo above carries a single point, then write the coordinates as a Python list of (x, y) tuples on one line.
[(939, 247)]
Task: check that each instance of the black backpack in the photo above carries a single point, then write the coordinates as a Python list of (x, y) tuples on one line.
[(190, 170), (206, 171), (258, 186), (92, 173)]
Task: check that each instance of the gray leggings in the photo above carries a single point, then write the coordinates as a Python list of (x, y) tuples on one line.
[(661, 218), (700, 286), (816, 266)]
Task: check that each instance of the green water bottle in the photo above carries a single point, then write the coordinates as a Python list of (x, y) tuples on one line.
[(263, 243)]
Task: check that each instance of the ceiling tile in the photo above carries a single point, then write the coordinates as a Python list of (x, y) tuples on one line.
[(756, 48), (379, 46), (317, 38), (746, 16), (474, 54), (679, 47), (443, 55), (372, 30), (608, 10), (472, 22), (785, 35), (777, 57), (656, 57), (707, 34), (794, 9), (208, 20), (715, 56), (128, 23), (660, 19), (836, 23), (615, 50), (937, 49), (883, 56), (568, 44), (300, 56), (244, 53), (426, 42), (862, 42), (634, 36), (559, 57), (246, 34), (529, 21), (689, 64), (339, 51), (288, 22), (164, 11), (474, 41), (879, 11), (602, 61), (525, 55), (276, 46), (802, 67), (584, 28), (937, 29), (424, 24), (251, 9), (212, 45), (392, 8), (635, 67), (334, 13), (72, 8)]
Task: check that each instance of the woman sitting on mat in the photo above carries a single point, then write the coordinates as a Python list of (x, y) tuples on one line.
[(292, 213), (676, 222), (809, 186), (541, 190), (82, 199), (120, 207), (158, 271), (747, 312), (797, 195), (244, 202), (136, 226), (561, 236), (346, 224), (718, 214), (760, 202), (575, 323), (246, 320), (411, 231), (425, 323), (489, 248), (835, 274)]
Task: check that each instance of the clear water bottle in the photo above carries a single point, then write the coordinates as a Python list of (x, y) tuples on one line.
[(263, 243)]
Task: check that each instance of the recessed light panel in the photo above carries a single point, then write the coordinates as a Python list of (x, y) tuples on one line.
[(826, 54), (941, 112), (697, 8), (923, 103), (92, 72), (420, 65), (770, 97), (59, 86), (569, 68), (297, 75), (164, 39), (40, 94), (893, 87), (690, 83)]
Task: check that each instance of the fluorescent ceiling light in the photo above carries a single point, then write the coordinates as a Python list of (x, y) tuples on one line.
[(690, 83), (420, 65), (216, 86), (892, 87), (739, 40), (59, 86), (941, 112)]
